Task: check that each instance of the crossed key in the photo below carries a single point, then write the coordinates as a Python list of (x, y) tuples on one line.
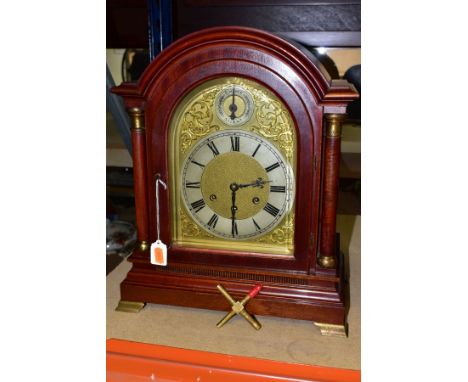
[(238, 307)]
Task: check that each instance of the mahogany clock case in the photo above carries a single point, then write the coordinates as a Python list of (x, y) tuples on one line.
[(293, 286)]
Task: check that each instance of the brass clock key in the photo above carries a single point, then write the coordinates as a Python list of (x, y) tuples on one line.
[(238, 307)]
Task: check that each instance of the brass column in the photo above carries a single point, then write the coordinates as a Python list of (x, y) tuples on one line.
[(331, 168), (137, 117)]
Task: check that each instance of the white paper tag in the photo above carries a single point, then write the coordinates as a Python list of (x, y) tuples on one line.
[(158, 253)]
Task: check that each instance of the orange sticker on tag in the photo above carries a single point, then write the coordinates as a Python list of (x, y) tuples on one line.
[(158, 253)]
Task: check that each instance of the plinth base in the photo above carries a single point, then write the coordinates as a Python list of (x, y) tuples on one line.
[(320, 298)]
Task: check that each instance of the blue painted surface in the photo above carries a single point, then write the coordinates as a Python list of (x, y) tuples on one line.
[(159, 26)]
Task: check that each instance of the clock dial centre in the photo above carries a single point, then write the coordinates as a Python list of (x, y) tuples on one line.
[(235, 171)]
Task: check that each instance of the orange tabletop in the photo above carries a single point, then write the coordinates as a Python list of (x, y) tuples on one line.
[(134, 361)]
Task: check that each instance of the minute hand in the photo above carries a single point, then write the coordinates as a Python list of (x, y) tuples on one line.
[(234, 187)]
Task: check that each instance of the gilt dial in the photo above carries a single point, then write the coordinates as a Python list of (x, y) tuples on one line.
[(236, 185), (234, 105)]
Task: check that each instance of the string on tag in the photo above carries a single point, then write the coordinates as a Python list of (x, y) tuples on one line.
[(158, 181), (158, 250)]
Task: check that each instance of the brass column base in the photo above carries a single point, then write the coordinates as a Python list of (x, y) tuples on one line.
[(130, 306), (143, 246), (332, 330), (327, 261)]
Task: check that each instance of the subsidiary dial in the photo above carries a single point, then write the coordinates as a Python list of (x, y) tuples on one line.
[(234, 105)]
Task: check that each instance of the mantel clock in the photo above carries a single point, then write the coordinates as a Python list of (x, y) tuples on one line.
[(244, 128)]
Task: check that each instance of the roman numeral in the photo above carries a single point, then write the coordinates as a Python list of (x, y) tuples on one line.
[(198, 205), (255, 152), (192, 184), (234, 229), (256, 225), (213, 148), (235, 143), (272, 167), (272, 210), (212, 222), (277, 189), (198, 164)]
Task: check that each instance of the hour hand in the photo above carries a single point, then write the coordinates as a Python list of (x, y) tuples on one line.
[(257, 183)]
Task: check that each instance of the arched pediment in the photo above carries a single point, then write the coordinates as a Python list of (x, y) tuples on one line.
[(239, 44)]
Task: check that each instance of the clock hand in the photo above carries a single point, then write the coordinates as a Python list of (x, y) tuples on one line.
[(233, 106), (234, 187), (258, 183)]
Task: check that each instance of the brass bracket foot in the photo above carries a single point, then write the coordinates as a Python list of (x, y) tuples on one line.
[(130, 306), (332, 330)]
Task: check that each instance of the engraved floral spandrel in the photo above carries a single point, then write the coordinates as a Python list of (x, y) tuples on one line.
[(282, 235), (274, 123), (197, 120), (190, 228)]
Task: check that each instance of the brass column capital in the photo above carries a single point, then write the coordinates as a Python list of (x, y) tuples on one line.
[(334, 123), (137, 117)]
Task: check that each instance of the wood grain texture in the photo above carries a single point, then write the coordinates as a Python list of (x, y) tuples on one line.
[(309, 297), (330, 195), (291, 286), (140, 184)]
